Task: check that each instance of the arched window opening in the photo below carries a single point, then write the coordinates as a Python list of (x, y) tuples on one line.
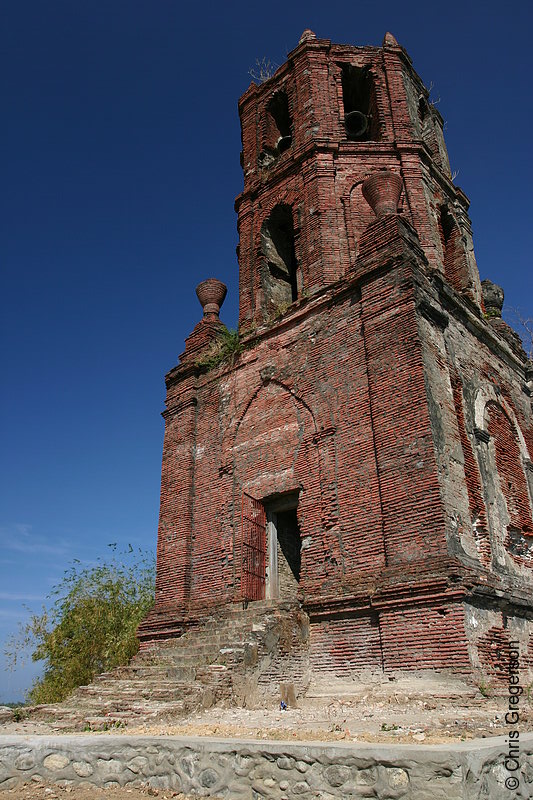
[(277, 244), (277, 136), (423, 108), (278, 108), (360, 119)]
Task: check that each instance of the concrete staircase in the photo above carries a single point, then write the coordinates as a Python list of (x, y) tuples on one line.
[(236, 656)]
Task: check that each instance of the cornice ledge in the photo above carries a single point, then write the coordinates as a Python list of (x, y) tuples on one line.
[(458, 307), (171, 411)]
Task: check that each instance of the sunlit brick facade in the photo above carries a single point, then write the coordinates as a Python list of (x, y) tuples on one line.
[(365, 451)]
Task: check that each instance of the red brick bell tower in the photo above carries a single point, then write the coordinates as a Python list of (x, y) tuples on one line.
[(363, 451)]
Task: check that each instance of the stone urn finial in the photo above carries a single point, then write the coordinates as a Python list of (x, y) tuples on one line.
[(211, 294), (382, 191), (492, 298)]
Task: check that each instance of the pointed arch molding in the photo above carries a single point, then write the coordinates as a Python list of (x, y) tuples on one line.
[(319, 411), (510, 459), (310, 464), (286, 196), (486, 395)]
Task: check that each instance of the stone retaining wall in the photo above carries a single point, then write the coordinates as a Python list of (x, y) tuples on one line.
[(257, 770)]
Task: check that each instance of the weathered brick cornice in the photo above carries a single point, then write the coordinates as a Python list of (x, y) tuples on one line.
[(181, 372), (463, 309), (292, 163), (511, 600), (304, 308), (390, 591), (179, 407)]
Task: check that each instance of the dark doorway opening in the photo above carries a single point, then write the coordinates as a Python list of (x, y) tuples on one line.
[(284, 548), (289, 540)]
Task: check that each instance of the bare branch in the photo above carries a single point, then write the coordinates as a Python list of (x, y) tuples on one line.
[(523, 324), (263, 69)]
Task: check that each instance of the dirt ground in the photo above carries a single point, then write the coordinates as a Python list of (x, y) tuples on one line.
[(405, 710), (401, 711), (42, 791)]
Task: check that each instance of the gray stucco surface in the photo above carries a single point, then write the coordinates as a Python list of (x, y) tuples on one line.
[(253, 770)]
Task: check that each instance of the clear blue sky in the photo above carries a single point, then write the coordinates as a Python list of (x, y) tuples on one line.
[(120, 144)]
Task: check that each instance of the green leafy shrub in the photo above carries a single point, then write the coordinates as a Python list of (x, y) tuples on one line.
[(225, 349), (90, 628)]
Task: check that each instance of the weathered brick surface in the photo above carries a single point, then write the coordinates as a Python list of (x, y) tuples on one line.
[(345, 646), (478, 517), (424, 638), (518, 538), (371, 389)]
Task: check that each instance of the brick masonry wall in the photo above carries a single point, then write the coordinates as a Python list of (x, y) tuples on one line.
[(481, 416), (424, 638), (478, 515), (271, 441), (490, 633), (493, 421), (320, 175), (346, 646), (410, 496), (518, 538), (380, 396)]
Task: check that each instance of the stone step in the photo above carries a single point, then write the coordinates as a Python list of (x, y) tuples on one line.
[(137, 690), (143, 670), (219, 627), (136, 705), (120, 683), (170, 680), (192, 659), (201, 644), (124, 699), (120, 687), (215, 670), (106, 720), (134, 709)]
